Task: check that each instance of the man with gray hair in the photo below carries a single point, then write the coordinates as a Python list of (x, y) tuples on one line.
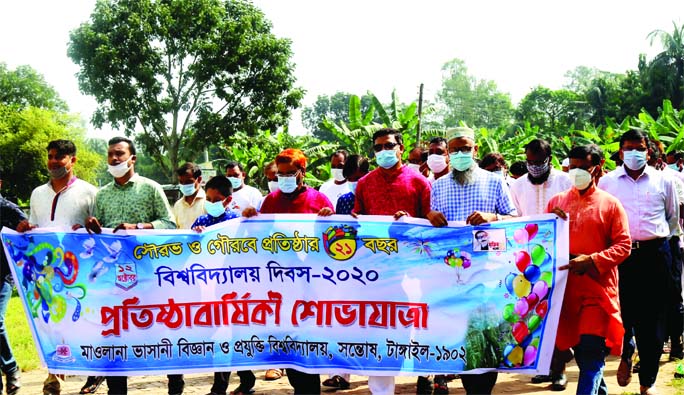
[(475, 196)]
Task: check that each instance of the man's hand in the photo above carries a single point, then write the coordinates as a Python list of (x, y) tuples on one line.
[(400, 214), (354, 215), (436, 218), (478, 218), (325, 212), (24, 226), (249, 212), (199, 229), (76, 226), (580, 265), (559, 212), (125, 226), (92, 225)]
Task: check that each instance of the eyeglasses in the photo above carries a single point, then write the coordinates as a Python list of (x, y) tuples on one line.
[(295, 174), (387, 146), (464, 149)]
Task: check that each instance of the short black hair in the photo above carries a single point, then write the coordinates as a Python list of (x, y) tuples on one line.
[(354, 163), (221, 184), (439, 140), (342, 152), (518, 168), (480, 232), (582, 151), (232, 163), (119, 139), (387, 132), (653, 147), (678, 155), (537, 146), (492, 158), (634, 134), (63, 147), (189, 166)]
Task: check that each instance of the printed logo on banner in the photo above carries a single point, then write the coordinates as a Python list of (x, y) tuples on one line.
[(126, 275), (340, 242), (63, 354)]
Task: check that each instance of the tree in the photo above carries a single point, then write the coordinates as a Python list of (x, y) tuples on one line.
[(334, 108), (182, 74), (554, 112), (673, 58), (464, 98), (24, 87)]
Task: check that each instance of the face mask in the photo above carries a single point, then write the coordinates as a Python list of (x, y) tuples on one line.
[(386, 158), (580, 177), (58, 173), (537, 171), (500, 172), (436, 163), (119, 170), (188, 189), (673, 167), (337, 174), (214, 209), (287, 184), (634, 159), (461, 161), (414, 167), (352, 186), (235, 182), (272, 186)]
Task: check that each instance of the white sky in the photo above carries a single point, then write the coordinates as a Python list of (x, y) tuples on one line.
[(379, 45)]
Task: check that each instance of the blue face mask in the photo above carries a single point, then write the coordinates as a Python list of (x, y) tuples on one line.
[(287, 184), (352, 186), (386, 158), (235, 182), (188, 189), (673, 167), (461, 161), (634, 159), (214, 209)]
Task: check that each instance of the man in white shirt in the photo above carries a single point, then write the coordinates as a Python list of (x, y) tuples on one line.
[(338, 185), (244, 196), (652, 208), (63, 202), (191, 204), (533, 191)]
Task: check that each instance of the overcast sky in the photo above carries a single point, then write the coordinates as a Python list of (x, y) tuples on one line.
[(380, 45)]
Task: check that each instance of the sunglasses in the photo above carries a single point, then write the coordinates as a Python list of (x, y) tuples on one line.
[(386, 146)]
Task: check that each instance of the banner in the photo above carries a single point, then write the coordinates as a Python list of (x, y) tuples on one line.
[(320, 294)]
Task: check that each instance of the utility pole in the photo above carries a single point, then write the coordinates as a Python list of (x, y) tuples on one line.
[(420, 114)]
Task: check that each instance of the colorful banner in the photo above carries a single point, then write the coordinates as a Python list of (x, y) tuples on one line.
[(321, 294)]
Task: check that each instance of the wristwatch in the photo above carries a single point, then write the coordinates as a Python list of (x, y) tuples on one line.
[(140, 225)]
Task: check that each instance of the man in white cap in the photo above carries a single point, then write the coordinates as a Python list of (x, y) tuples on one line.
[(475, 196)]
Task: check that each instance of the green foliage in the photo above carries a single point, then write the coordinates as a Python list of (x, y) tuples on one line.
[(334, 108), (553, 111), (23, 347), (24, 136), (184, 74), (672, 60), (24, 87), (484, 338)]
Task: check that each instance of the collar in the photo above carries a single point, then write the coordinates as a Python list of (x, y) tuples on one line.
[(134, 178), (67, 186), (621, 172), (586, 194), (201, 194)]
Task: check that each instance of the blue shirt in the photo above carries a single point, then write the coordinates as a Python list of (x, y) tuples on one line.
[(487, 193), (345, 204), (208, 220)]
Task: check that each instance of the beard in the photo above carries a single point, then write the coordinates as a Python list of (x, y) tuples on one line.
[(539, 180), (464, 177)]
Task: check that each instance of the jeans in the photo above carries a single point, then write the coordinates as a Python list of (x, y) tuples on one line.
[(176, 383), (590, 355), (7, 362)]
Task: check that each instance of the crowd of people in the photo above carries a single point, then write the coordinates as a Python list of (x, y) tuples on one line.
[(624, 285)]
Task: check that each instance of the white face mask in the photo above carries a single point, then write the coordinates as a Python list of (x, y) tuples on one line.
[(119, 170), (580, 178), (273, 186), (436, 163), (337, 174), (414, 167)]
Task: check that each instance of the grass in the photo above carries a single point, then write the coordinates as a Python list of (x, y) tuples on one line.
[(23, 347)]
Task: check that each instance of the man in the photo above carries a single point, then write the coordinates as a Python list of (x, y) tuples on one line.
[(65, 201), (590, 319), (652, 209), (475, 196), (191, 205), (495, 163), (675, 160), (129, 202), (438, 158), (243, 195), (531, 195), (10, 216), (270, 172), (481, 241), (417, 161), (338, 185), (517, 169), (391, 189)]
